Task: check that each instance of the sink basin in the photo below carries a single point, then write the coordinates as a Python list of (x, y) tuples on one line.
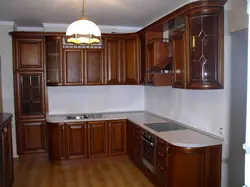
[(168, 126), (85, 116)]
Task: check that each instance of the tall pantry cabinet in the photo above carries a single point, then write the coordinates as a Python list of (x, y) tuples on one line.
[(29, 88)]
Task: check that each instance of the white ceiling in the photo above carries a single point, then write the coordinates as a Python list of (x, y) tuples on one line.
[(102, 12)]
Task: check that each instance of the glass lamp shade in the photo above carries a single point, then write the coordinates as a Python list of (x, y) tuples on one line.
[(83, 31)]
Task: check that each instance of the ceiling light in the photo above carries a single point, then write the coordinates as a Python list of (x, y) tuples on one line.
[(83, 31)]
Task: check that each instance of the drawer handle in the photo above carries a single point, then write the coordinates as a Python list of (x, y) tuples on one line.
[(76, 127)]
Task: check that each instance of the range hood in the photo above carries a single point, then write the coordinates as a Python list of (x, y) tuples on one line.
[(164, 67)]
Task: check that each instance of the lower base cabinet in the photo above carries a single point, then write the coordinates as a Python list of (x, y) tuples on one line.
[(97, 138), (33, 136), (178, 166), (174, 166), (87, 139), (57, 144), (6, 157)]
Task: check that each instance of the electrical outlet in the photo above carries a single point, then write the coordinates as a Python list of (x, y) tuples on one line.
[(221, 131)]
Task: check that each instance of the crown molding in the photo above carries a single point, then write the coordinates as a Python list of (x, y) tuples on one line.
[(103, 28), (7, 23)]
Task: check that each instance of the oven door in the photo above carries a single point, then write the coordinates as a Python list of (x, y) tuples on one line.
[(148, 152)]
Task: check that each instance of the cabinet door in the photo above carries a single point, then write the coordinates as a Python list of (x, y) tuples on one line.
[(113, 61), (73, 67), (29, 54), (97, 138), (56, 142), (185, 166), (54, 60), (30, 94), (130, 139), (32, 136), (94, 67), (77, 140), (130, 68), (117, 137), (179, 60), (8, 175), (206, 58)]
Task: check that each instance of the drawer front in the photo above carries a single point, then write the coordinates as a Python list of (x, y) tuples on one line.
[(161, 176)]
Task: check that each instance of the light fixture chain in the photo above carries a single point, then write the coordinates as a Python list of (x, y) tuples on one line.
[(82, 8)]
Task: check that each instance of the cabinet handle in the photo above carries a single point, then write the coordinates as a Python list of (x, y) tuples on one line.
[(75, 127), (85, 126), (193, 41)]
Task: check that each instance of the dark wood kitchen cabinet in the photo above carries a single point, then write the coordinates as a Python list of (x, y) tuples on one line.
[(137, 157), (77, 140), (130, 62), (30, 112), (73, 67), (113, 60), (56, 142), (117, 137), (30, 94), (53, 60), (130, 139), (29, 53), (94, 67), (161, 170), (205, 44), (33, 136), (6, 155), (97, 139)]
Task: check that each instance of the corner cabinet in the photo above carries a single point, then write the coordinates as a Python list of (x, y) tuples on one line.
[(206, 47)]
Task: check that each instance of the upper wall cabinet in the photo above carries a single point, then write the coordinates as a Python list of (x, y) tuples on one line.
[(130, 65), (122, 60), (197, 45), (73, 67), (94, 67), (205, 44), (29, 53), (53, 60), (113, 60)]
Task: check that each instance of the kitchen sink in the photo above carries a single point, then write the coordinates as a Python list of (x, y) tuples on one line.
[(168, 126), (85, 116)]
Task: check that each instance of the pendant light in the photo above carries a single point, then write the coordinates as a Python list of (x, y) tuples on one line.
[(83, 31)]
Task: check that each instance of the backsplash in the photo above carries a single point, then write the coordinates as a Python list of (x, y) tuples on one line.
[(94, 99), (204, 110)]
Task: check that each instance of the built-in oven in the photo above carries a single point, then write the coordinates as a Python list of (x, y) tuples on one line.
[(148, 150)]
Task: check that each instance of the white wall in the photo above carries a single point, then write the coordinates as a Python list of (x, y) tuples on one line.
[(7, 74), (94, 99), (238, 15)]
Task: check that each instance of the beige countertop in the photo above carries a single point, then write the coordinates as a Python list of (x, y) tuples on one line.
[(188, 137)]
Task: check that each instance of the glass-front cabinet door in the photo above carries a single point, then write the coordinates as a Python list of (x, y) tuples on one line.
[(54, 60), (206, 59), (31, 94)]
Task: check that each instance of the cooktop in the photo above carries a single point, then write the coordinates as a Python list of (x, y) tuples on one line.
[(168, 126)]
